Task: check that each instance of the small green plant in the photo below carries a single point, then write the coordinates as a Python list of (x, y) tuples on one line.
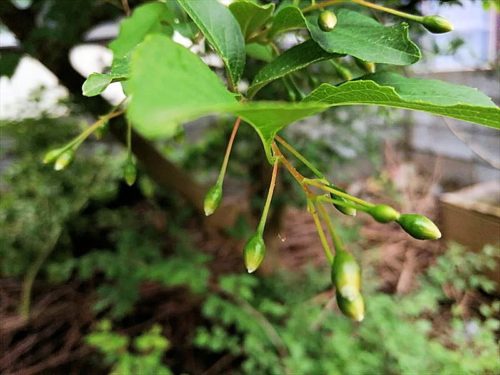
[(142, 355)]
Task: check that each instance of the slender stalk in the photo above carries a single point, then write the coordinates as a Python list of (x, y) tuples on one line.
[(326, 248), (337, 241), (270, 192), (126, 7), (292, 95), (364, 3), (258, 36), (27, 286), (295, 174), (388, 10), (327, 199), (299, 156), (129, 139), (310, 198), (223, 168), (321, 5), (78, 140), (329, 189)]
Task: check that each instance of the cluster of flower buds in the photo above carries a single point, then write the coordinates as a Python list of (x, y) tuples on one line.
[(61, 157)]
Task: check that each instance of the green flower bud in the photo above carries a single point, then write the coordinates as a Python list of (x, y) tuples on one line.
[(52, 155), (327, 20), (354, 309), (345, 210), (346, 275), (437, 24), (419, 227), (383, 213), (342, 72), (212, 199), (64, 159), (129, 172), (254, 252), (367, 66)]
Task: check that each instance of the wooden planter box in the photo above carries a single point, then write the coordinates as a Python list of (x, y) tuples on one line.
[(471, 217)]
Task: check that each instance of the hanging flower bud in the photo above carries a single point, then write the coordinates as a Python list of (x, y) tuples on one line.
[(343, 72), (64, 159), (327, 20), (354, 309), (383, 213), (52, 155), (344, 209), (254, 252), (367, 66), (212, 199), (129, 172), (437, 24), (419, 227), (346, 275)]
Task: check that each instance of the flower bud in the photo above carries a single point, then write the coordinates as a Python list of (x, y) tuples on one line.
[(354, 309), (383, 213), (346, 275), (343, 72), (437, 24), (52, 155), (344, 209), (327, 20), (64, 159), (419, 227), (367, 66), (129, 172), (212, 199), (254, 252)]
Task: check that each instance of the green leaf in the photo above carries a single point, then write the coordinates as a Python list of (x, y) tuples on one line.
[(251, 16), (120, 68), (184, 88), (392, 90), (145, 19), (181, 87), (355, 34), (258, 51), (383, 89), (360, 36), (294, 59), (432, 91), (288, 18), (95, 84), (222, 31)]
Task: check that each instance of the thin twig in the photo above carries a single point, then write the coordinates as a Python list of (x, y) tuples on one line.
[(126, 7)]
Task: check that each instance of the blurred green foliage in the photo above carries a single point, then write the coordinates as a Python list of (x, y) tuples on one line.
[(143, 356), (137, 258), (283, 323), (280, 325), (37, 201)]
